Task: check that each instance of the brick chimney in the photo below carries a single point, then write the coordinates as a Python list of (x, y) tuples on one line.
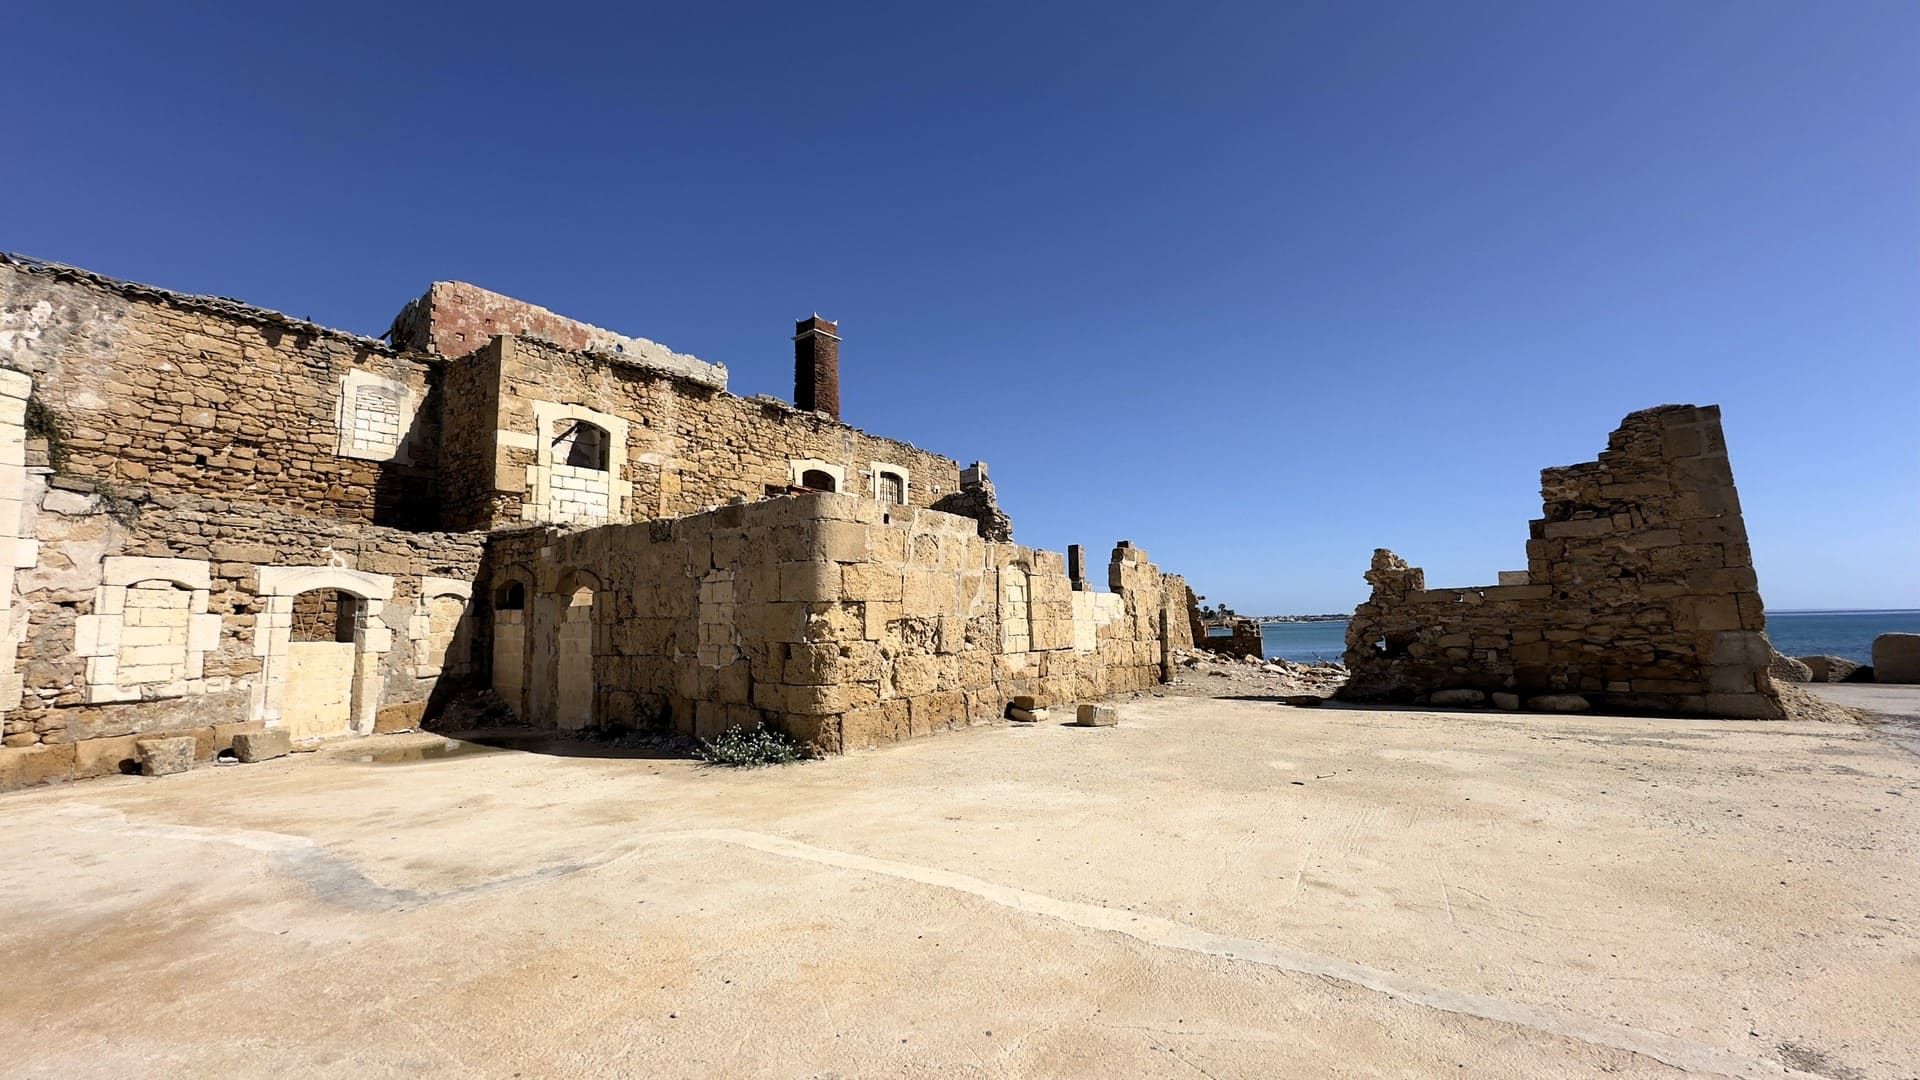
[(816, 366)]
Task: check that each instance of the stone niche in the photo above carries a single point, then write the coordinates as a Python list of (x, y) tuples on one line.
[(1639, 592)]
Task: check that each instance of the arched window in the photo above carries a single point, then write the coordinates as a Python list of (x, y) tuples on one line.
[(511, 598), (818, 480), (893, 489), (581, 445)]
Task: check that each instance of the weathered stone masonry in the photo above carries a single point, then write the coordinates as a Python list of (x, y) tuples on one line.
[(1639, 592), (223, 521)]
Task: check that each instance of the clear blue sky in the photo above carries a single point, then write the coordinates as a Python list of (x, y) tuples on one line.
[(1258, 286)]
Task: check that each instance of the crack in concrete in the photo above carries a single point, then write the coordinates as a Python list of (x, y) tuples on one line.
[(1165, 933), (334, 880)]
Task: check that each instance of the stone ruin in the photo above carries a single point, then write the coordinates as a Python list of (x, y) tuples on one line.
[(1242, 638), (222, 524), (1639, 594)]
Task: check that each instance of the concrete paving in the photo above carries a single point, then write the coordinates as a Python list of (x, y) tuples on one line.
[(1212, 888)]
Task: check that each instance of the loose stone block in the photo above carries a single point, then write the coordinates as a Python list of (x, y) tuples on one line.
[(1457, 697), (1563, 703), (1026, 716), (1091, 715), (1509, 702), (165, 757), (1896, 658), (253, 746)]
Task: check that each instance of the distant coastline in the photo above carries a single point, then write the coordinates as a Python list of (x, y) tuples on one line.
[(1267, 620)]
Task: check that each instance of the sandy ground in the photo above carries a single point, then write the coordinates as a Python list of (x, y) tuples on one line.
[(1215, 888)]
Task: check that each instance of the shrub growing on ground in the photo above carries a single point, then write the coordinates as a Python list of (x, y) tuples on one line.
[(750, 749)]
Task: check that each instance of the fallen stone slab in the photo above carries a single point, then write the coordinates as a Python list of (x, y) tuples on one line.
[(1829, 668), (1026, 701), (1096, 716), (1896, 658), (1558, 703), (1025, 716), (165, 757), (254, 746), (1457, 697)]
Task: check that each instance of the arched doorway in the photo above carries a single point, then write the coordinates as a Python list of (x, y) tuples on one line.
[(576, 644), (320, 639), (510, 640), (320, 668)]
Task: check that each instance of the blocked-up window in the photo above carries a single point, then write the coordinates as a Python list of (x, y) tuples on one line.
[(1016, 613), (375, 416), (153, 637)]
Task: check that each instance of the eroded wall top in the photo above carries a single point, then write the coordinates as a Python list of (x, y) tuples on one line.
[(455, 319)]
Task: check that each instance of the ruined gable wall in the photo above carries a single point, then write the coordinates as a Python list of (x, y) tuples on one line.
[(174, 393), (821, 616), (1639, 594), (688, 446)]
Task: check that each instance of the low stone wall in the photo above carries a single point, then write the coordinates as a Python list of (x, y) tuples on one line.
[(844, 622), (1243, 639), (1639, 593)]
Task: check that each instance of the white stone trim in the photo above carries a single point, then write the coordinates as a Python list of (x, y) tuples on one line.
[(355, 438), (547, 416), (98, 637), (798, 467), (273, 634), (906, 481), (420, 627), (16, 552)]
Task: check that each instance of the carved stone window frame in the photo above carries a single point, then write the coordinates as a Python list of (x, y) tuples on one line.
[(97, 636), (351, 384), (547, 418)]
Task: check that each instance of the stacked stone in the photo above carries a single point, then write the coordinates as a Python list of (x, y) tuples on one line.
[(1243, 640), (841, 622), (1639, 592), (690, 447)]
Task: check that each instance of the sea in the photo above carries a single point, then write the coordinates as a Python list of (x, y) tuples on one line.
[(1846, 634)]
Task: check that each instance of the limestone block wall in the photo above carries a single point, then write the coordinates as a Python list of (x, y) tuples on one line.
[(167, 392), (1639, 591), (840, 621), (681, 446), (178, 616)]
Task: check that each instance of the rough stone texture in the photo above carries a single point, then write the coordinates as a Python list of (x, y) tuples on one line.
[(689, 447), (165, 757), (1787, 669), (455, 319), (226, 529), (1558, 703), (1457, 697), (1242, 639), (834, 618), (1641, 593), (977, 499), (256, 746), (1896, 658), (1090, 715), (1828, 668)]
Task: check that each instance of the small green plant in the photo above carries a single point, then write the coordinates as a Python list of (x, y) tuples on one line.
[(43, 423), (749, 749)]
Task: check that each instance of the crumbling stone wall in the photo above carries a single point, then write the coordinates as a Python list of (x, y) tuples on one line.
[(455, 319), (167, 392), (978, 500), (63, 729), (1639, 592), (688, 446), (842, 623), (1242, 639)]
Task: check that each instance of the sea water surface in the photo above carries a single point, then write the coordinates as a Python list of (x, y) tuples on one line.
[(1846, 634)]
